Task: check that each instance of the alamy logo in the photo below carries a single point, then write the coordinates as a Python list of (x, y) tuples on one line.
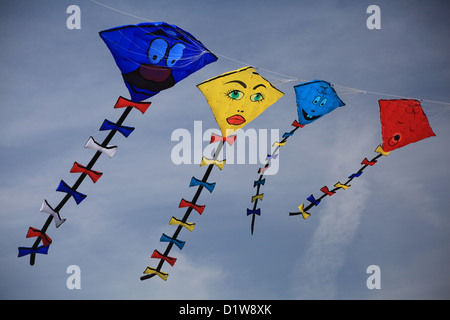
[(74, 20), (374, 280), (251, 147), (374, 20), (74, 280)]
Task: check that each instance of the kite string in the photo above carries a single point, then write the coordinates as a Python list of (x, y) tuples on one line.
[(287, 78), (201, 48), (388, 94), (439, 110), (120, 11)]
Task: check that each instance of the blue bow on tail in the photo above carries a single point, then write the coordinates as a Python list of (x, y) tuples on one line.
[(195, 182), (23, 251), (108, 125), (313, 200), (77, 196), (257, 211), (178, 243)]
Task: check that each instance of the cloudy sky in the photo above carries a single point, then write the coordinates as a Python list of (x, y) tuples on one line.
[(60, 84)]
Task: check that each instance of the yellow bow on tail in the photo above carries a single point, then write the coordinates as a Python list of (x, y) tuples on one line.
[(187, 225), (162, 275), (380, 150), (305, 214), (218, 163), (258, 196), (343, 186), (278, 144)]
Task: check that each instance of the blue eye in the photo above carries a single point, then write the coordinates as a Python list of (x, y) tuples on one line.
[(316, 100), (323, 102), (157, 50), (175, 54)]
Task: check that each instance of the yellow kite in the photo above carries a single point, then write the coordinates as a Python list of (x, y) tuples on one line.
[(238, 97)]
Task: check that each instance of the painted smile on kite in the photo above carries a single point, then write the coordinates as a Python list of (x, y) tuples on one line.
[(309, 117), (397, 137), (150, 77), (154, 73), (394, 140), (236, 120)]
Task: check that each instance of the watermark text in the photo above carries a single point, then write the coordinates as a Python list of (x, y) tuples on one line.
[(251, 147)]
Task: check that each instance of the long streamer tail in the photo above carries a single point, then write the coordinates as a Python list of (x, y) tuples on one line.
[(201, 184), (304, 211), (86, 171), (261, 181)]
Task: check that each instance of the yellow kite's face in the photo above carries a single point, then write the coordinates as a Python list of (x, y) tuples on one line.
[(238, 97)]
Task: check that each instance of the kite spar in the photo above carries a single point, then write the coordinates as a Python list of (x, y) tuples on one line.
[(236, 98), (151, 57), (402, 122), (314, 100)]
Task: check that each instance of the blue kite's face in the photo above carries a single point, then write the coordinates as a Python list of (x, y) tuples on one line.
[(314, 100), (154, 56)]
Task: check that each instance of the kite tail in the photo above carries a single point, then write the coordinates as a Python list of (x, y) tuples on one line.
[(54, 213), (190, 205), (327, 192), (258, 183)]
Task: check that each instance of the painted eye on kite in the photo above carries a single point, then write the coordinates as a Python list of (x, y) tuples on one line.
[(257, 97), (394, 139), (323, 102), (175, 54), (317, 99), (235, 94), (157, 50)]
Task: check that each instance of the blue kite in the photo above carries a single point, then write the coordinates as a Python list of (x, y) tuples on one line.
[(154, 56), (314, 100), (151, 57)]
